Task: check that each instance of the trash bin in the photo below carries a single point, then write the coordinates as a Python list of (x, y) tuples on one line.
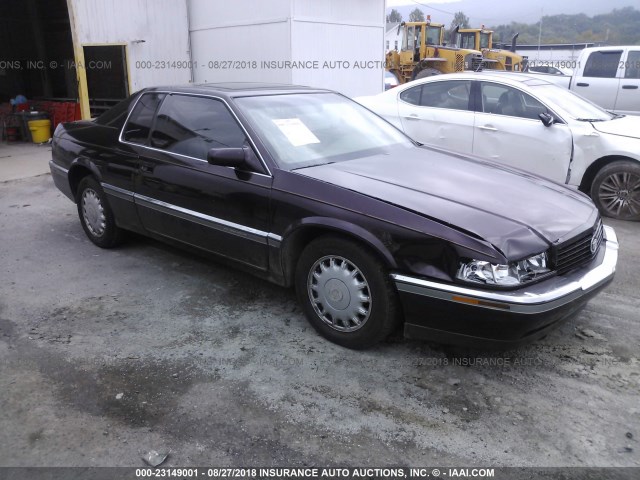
[(40, 130)]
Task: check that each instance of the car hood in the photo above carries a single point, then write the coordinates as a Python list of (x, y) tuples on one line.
[(628, 126), (518, 213)]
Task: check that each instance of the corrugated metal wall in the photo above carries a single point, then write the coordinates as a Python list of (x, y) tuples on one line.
[(337, 44), (162, 24)]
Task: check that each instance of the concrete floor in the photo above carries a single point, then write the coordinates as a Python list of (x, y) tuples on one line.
[(23, 160), (108, 354)]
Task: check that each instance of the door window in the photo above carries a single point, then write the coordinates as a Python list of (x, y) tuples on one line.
[(632, 65), (192, 126), (602, 64), (453, 95), (504, 100), (139, 124)]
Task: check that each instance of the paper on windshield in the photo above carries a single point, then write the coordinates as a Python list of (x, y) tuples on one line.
[(296, 132)]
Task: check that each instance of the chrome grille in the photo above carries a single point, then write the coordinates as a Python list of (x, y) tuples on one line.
[(476, 63), (579, 250)]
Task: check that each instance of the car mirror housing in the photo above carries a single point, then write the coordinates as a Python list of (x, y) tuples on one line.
[(546, 119), (227, 157)]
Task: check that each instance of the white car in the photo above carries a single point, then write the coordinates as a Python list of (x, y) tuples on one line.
[(524, 122)]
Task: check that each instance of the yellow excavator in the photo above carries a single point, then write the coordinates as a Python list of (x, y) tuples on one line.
[(494, 59), (423, 53)]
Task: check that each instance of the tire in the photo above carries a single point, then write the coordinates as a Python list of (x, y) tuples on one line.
[(426, 72), (616, 190), (95, 214), (330, 271)]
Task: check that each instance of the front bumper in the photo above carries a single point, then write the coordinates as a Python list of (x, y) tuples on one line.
[(453, 314)]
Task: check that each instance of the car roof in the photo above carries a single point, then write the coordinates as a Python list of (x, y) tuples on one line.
[(513, 78), (238, 89)]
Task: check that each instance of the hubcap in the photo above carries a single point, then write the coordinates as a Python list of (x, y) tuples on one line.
[(339, 293), (93, 213), (619, 194)]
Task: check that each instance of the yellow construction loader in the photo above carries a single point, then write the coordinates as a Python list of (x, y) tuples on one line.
[(423, 53), (495, 59)]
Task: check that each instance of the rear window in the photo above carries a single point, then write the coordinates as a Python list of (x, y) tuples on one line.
[(139, 125), (603, 64), (116, 116)]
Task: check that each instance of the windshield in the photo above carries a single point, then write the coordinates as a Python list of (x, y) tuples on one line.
[(302, 130), (573, 104)]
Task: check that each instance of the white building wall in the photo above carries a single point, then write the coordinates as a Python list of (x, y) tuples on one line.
[(329, 39), (231, 39), (393, 38), (162, 24)]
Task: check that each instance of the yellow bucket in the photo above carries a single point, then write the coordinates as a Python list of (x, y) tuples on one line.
[(40, 130)]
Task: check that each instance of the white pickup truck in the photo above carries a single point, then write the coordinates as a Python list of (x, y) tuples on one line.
[(608, 76)]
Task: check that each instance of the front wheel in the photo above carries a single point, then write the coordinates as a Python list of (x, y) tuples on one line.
[(95, 214), (616, 190), (346, 293)]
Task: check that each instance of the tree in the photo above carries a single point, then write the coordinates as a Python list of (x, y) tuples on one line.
[(416, 15), (460, 19), (394, 17)]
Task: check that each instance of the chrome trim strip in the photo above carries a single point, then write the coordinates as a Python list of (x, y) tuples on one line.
[(273, 240), (255, 148), (202, 219), (58, 167), (538, 298), (118, 192)]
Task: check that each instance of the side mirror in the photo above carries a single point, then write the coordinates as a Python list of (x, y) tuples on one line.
[(227, 157), (546, 119)]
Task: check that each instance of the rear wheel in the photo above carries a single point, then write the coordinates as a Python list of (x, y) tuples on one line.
[(346, 293), (426, 72), (95, 214), (616, 190)]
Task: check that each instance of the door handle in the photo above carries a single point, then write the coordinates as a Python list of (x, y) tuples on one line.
[(146, 167), (412, 116), (630, 87), (582, 84), (488, 128)]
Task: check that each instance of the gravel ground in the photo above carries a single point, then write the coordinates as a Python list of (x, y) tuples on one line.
[(106, 355)]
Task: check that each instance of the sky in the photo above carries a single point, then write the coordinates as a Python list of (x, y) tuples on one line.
[(395, 3)]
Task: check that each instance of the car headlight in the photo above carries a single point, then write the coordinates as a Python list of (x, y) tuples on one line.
[(513, 274)]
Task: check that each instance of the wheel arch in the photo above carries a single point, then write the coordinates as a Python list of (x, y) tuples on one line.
[(80, 168), (300, 235), (593, 169)]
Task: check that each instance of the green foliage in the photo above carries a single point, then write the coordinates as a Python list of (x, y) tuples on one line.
[(416, 15), (460, 19), (394, 16), (619, 27)]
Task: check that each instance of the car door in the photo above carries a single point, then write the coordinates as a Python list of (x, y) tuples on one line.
[(438, 113), (599, 82), (628, 99), (508, 131), (180, 196)]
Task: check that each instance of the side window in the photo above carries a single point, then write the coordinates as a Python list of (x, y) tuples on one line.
[(602, 64), (503, 100), (412, 95), (115, 116), (194, 125), (139, 125), (632, 66), (452, 94)]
